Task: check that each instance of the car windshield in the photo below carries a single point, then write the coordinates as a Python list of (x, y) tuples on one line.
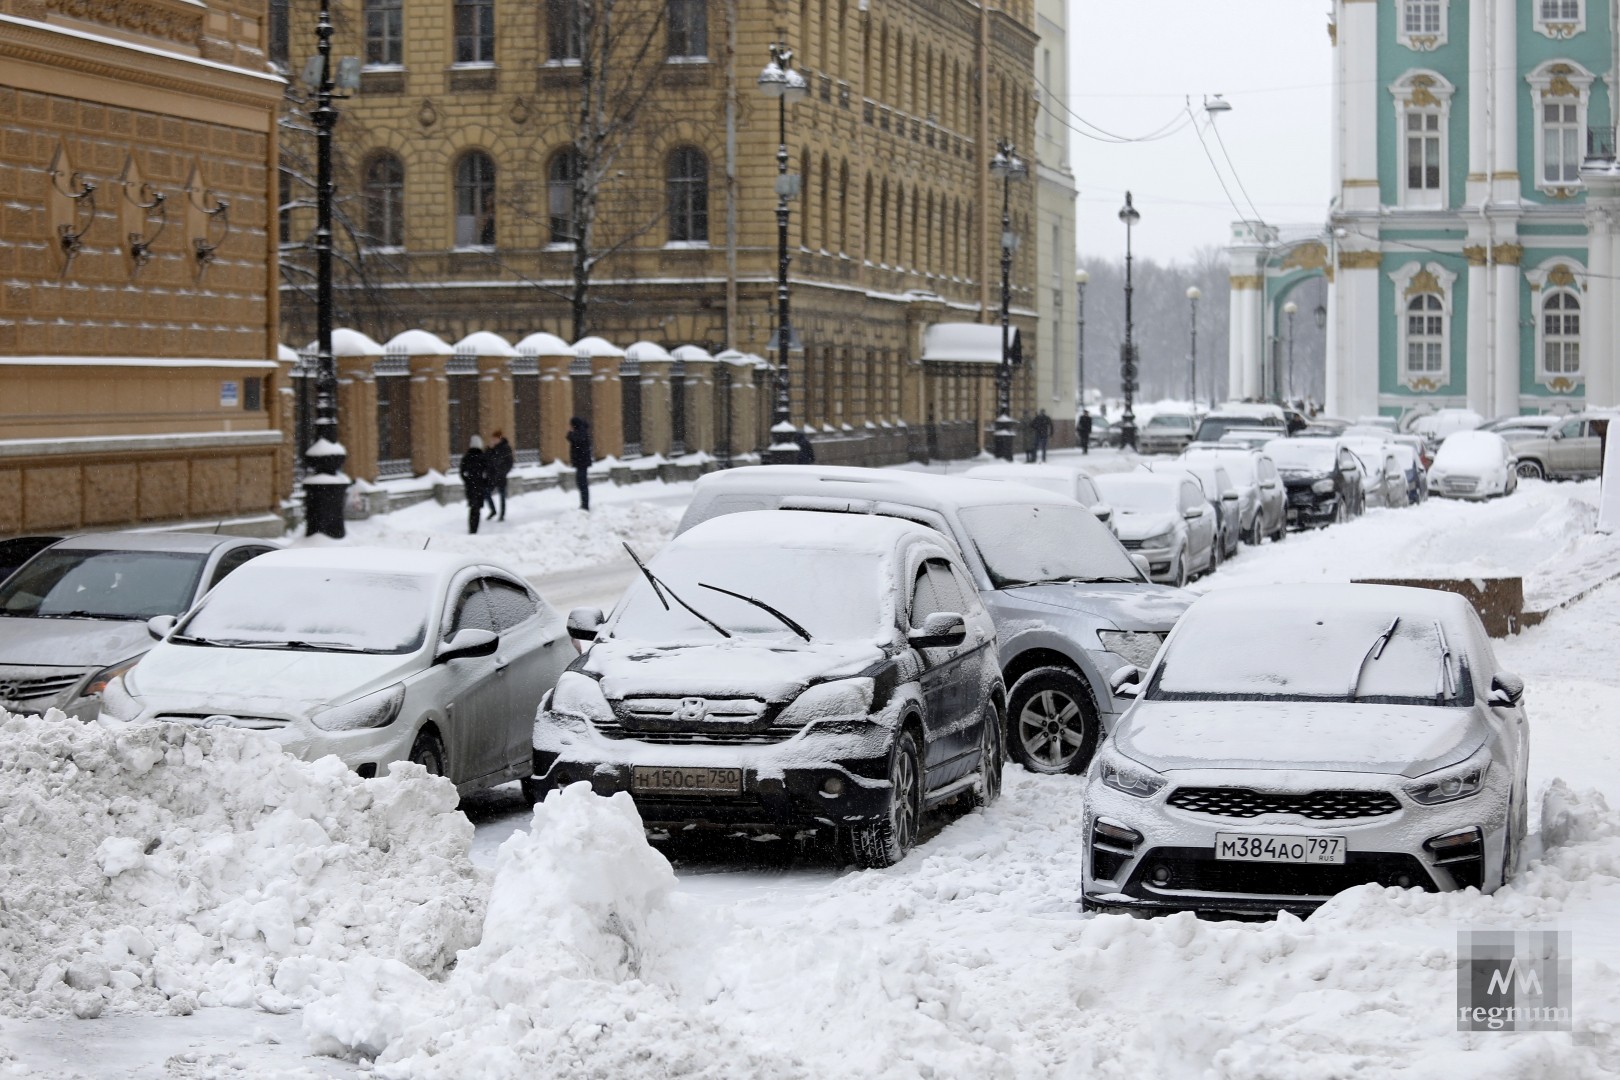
[(1139, 495), (1299, 655), (1303, 455), (84, 584), (1021, 543), (833, 595), (313, 608), (1213, 427), (1171, 420)]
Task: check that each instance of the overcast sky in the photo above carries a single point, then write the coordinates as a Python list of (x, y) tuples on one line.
[(1131, 65)]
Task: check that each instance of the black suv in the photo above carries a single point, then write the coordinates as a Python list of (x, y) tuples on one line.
[(1323, 479)]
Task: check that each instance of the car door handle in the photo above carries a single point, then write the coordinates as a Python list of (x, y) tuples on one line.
[(549, 643)]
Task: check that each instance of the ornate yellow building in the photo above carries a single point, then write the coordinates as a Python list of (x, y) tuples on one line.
[(138, 313), (457, 174)]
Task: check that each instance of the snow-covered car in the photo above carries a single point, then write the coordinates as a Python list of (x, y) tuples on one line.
[(1323, 478), (1294, 741), (74, 615), (786, 671), (1069, 603), (1442, 423), (1166, 433), (1167, 520), (1068, 480), (1473, 465), (373, 655), (1410, 464), (1260, 490), (1570, 450), (1245, 416), (1224, 497), (1383, 479)]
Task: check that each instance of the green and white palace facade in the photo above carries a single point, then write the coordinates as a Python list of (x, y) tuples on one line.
[(1473, 242)]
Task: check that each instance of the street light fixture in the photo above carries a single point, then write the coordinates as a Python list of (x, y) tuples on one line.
[(1194, 294), (1081, 279), (1290, 309), (1127, 352), (778, 80), (1006, 166)]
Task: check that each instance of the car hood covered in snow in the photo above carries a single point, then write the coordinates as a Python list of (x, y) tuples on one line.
[(1127, 607), (771, 671), (71, 642), (255, 682), (1319, 736), (1139, 526)]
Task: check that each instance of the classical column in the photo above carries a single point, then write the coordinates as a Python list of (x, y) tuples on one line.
[(1479, 117), (1244, 344), (1504, 66), (1597, 316), (1361, 93), (1509, 354), (1478, 327), (1354, 391)]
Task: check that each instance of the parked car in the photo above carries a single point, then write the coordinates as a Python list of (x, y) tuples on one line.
[(1246, 438), (785, 671), (1070, 605), (1386, 424), (1571, 450), (1224, 497), (1510, 427), (1411, 467), (1262, 499), (1293, 741), (1383, 479), (1167, 520), (1063, 479), (75, 613), (373, 655), (19, 549), (1165, 433), (1443, 422), (1241, 414), (1323, 479), (1473, 465), (1419, 446)]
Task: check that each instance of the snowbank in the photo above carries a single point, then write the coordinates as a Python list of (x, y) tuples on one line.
[(159, 868)]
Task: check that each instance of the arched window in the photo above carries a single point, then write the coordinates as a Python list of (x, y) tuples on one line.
[(1425, 334), (475, 200), (688, 25), (1561, 333), (384, 190), (561, 173), (686, 179)]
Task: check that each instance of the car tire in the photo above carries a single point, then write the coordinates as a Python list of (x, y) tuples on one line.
[(1255, 536), (1217, 548), (534, 789), (1530, 470), (1048, 703), (428, 752), (1178, 574), (987, 788), (1341, 513), (884, 843), (1282, 529)]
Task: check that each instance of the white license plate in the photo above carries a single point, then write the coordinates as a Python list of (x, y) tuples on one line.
[(1259, 847), (665, 780)]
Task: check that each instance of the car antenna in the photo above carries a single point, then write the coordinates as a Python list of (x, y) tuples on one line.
[(220, 526), (426, 542)]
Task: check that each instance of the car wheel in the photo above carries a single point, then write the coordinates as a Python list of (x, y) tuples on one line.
[(1255, 536), (1217, 548), (1054, 725), (1178, 573), (428, 752), (884, 843), (534, 789), (1282, 529), (987, 788), (1341, 513), (1530, 470)]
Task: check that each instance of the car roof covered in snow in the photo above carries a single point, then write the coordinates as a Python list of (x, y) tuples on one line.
[(148, 541), (377, 560), (1013, 471), (1171, 476), (1404, 600), (891, 485), (777, 530)]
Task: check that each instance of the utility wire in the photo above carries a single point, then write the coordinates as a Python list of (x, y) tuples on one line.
[(1235, 208), (1216, 128)]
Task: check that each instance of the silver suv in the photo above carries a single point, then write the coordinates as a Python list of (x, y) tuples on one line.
[(1070, 606), (1572, 450)]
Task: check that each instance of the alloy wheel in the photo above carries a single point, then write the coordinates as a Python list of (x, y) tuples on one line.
[(907, 806), (1053, 729)]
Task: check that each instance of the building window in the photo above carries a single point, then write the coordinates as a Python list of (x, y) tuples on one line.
[(1423, 151), (1424, 298), (565, 30), (1422, 112), (1425, 335), (1561, 333), (385, 32), (1560, 18), (1561, 90), (279, 33), (687, 181), (561, 174), (475, 200), (475, 31), (1560, 144), (1421, 25), (688, 27), (385, 201)]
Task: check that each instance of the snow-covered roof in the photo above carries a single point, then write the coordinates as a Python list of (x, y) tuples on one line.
[(774, 530), (417, 343), (484, 343), (1462, 450), (541, 343), (287, 354), (346, 342), (735, 358), (888, 485), (647, 350), (595, 346), (691, 353), (968, 343), (759, 361)]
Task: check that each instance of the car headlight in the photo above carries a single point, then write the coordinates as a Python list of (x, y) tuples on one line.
[(1137, 646), (1449, 785), (118, 700), (838, 699), (372, 711), (1322, 487), (580, 696), (1158, 540), (98, 682), (1137, 780)]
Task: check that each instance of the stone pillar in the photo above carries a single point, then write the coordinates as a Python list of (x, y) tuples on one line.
[(1504, 69), (556, 406), (1479, 329), (357, 415), (430, 414), (1245, 349), (1361, 90), (1505, 391), (607, 405), (1598, 324), (1479, 120), (700, 417), (493, 358), (656, 429), (1353, 387)]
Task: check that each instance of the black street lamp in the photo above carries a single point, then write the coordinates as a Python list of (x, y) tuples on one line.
[(1007, 165), (1081, 279), (781, 82), (1194, 294), (325, 485), (1127, 352)]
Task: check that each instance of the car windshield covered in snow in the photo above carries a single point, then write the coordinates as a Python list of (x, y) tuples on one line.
[(707, 592), (1303, 455), (1298, 655), (314, 608), (1171, 421), (1021, 543), (1141, 494), (78, 583)]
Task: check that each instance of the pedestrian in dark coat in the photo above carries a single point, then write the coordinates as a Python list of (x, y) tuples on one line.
[(500, 466), (475, 480), (1082, 428), (807, 453), (580, 457), (1043, 433)]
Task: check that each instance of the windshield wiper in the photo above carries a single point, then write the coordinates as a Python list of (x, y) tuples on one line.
[(763, 606), (1074, 579), (1374, 651), (1448, 688), (85, 615), (299, 646), (660, 590)]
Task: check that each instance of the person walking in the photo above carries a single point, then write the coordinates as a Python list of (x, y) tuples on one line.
[(1043, 433), (580, 457), (475, 480), (807, 453), (500, 466), (1082, 427)]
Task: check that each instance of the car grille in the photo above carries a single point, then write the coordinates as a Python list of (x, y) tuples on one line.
[(1456, 485), (13, 688), (1132, 545), (254, 723), (664, 710), (1196, 870), (773, 734), (1304, 497), (1316, 805), (732, 721)]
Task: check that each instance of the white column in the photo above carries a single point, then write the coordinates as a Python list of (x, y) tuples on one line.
[(1244, 339), (1504, 66), (1353, 391), (1477, 345), (1358, 40), (1479, 12), (1505, 392), (1333, 353), (1597, 316)]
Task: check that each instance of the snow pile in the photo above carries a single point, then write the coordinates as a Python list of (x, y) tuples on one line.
[(163, 867)]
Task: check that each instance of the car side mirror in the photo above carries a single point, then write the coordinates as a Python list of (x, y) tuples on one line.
[(941, 630), (466, 643), (1195, 512), (1557, 434), (1230, 496), (1140, 561), (1127, 681), (160, 625), (1102, 511), (583, 622), (1507, 689)]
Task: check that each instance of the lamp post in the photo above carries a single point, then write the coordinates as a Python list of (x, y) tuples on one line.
[(1290, 309), (778, 80), (1193, 296), (1006, 165), (1127, 352), (1081, 280)]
